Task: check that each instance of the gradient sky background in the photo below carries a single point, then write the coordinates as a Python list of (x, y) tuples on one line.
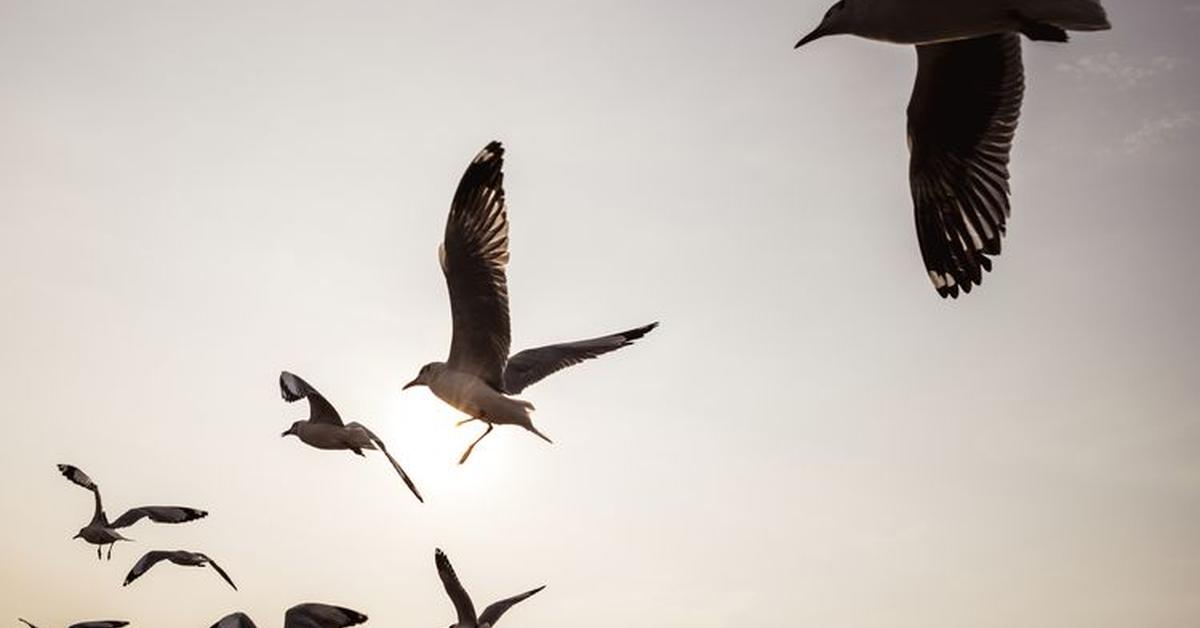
[(198, 195)]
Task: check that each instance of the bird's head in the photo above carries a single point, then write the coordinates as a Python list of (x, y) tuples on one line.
[(838, 20), (294, 430), (425, 377)]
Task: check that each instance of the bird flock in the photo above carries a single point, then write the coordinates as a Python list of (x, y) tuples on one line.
[(962, 118)]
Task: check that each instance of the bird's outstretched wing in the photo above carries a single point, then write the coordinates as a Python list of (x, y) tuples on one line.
[(492, 613), (221, 572), (473, 255), (26, 622), (532, 365), (314, 615), (76, 475), (105, 623), (458, 595), (235, 620), (961, 121), (395, 465), (148, 560), (158, 514), (319, 409)]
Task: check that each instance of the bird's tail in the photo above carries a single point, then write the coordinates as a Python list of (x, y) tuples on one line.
[(533, 429)]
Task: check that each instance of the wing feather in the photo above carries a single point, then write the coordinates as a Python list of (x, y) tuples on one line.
[(532, 365)]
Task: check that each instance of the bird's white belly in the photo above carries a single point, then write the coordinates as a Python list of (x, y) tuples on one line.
[(476, 398)]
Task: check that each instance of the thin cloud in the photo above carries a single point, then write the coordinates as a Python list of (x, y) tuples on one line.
[(1119, 69), (1158, 131)]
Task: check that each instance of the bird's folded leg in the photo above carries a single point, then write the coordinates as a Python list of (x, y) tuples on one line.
[(467, 453), (110, 546), (99, 552), (465, 421)]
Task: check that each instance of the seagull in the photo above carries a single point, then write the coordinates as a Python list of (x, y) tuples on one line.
[(479, 376), (462, 601), (310, 615), (324, 428), (105, 623), (179, 557), (963, 112), (100, 532)]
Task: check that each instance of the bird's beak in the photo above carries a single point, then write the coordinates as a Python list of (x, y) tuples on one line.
[(415, 382), (817, 33), (287, 433), (77, 535)]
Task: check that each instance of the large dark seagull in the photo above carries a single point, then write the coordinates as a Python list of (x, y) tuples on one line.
[(479, 376), (963, 112)]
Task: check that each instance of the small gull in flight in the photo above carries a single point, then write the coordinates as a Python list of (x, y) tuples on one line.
[(324, 428), (101, 532), (104, 623), (479, 375), (179, 557), (462, 601), (963, 112), (310, 615)]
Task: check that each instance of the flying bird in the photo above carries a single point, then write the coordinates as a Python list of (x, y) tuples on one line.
[(104, 623), (324, 428), (479, 376), (179, 557), (462, 601), (310, 615), (101, 532), (963, 112)]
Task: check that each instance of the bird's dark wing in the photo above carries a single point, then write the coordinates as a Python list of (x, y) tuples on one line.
[(492, 613), (458, 595), (395, 465), (76, 475), (319, 409), (961, 121), (26, 622), (321, 616), (221, 572), (106, 623), (158, 514), (148, 560), (473, 256), (236, 620), (532, 365)]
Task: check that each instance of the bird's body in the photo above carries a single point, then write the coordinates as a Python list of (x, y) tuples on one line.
[(926, 21), (480, 377), (100, 531), (182, 558), (101, 623), (310, 615), (963, 113), (324, 428)]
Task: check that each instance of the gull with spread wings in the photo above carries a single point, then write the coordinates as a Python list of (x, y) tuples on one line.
[(324, 428), (462, 602), (479, 376), (311, 615), (101, 532), (179, 557), (103, 623)]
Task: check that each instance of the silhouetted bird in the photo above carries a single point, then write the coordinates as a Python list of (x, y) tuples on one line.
[(179, 557), (324, 428), (963, 112), (462, 601), (101, 532), (104, 623), (479, 375), (302, 616)]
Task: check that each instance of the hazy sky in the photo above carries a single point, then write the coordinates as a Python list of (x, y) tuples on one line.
[(197, 195)]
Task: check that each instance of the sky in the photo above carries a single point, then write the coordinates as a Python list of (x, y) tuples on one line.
[(196, 196)]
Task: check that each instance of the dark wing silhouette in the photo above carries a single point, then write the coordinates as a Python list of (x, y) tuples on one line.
[(395, 465), (148, 560), (473, 256), (25, 621), (235, 620), (458, 595), (76, 475), (319, 408), (107, 623), (158, 514), (961, 121), (492, 613), (532, 365), (321, 616), (221, 572)]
